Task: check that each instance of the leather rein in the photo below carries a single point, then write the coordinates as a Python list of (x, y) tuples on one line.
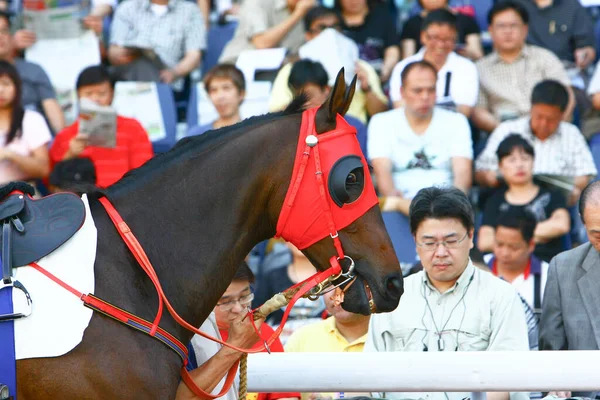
[(313, 287)]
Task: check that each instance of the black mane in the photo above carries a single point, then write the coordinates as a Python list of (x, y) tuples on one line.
[(208, 140)]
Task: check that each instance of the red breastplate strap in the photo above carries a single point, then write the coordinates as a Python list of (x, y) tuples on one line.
[(157, 332), (295, 203)]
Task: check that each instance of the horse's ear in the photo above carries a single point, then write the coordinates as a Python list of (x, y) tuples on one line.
[(326, 115), (348, 98)]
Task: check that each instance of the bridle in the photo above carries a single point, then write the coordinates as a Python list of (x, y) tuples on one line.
[(317, 285)]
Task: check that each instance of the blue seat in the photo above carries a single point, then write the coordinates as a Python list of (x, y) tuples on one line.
[(192, 109), (398, 228), (361, 132), (218, 37), (597, 36), (169, 113), (595, 149), (482, 7)]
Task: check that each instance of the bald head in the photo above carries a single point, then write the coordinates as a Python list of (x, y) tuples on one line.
[(589, 209), (590, 196)]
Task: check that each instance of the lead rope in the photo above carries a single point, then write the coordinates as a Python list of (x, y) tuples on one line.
[(274, 303)]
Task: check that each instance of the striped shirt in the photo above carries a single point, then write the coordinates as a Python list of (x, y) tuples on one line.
[(133, 149), (505, 88), (564, 153), (171, 35)]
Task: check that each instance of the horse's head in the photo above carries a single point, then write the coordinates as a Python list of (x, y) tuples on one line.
[(331, 193)]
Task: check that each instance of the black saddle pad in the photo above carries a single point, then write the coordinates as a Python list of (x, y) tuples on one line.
[(48, 222)]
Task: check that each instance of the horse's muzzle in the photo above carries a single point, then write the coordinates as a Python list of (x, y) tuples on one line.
[(394, 285)]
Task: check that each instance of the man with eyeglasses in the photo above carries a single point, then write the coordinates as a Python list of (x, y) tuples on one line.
[(457, 83), (451, 305), (229, 323), (508, 75)]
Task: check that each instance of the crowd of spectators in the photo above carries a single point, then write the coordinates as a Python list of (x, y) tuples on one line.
[(481, 139)]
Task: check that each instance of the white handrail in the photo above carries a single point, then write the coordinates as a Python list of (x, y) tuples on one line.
[(424, 371)]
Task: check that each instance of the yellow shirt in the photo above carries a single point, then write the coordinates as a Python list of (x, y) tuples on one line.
[(281, 95), (322, 337)]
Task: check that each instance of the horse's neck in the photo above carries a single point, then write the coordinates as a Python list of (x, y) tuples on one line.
[(199, 218)]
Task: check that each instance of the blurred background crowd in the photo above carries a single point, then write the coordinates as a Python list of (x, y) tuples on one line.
[(498, 99)]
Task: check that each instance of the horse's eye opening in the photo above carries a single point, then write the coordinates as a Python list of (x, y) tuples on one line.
[(351, 179), (346, 180)]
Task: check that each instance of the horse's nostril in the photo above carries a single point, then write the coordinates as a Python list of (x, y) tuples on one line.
[(394, 285)]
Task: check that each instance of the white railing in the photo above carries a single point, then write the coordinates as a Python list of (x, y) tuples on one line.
[(425, 372)]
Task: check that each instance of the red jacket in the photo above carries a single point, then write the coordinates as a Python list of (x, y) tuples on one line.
[(132, 150), (265, 333)]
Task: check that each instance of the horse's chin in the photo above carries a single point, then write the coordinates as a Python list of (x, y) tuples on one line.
[(358, 298)]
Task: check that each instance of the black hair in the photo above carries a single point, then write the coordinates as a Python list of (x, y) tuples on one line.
[(592, 188), (315, 13), (439, 203), (304, 72), (94, 75), (225, 71), (75, 171), (243, 273), (512, 142), (18, 112), (519, 219), (441, 16), (551, 93), (416, 64), (7, 17), (337, 4), (502, 6), (421, 3)]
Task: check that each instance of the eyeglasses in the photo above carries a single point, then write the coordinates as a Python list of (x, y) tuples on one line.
[(448, 243), (244, 302), (504, 27), (443, 40)]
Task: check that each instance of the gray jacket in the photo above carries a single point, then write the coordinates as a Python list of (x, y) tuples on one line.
[(571, 308)]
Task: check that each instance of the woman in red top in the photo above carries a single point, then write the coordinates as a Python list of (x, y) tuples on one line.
[(133, 147)]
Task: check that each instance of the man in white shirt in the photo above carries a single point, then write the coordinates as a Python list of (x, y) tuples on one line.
[(458, 83), (450, 305), (559, 146), (419, 145)]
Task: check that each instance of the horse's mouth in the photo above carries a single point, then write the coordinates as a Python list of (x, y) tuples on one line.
[(365, 296), (358, 297), (372, 306)]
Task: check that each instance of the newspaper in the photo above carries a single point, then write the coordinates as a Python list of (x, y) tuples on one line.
[(63, 60), (334, 51), (563, 184), (55, 19), (150, 55), (139, 100), (99, 123)]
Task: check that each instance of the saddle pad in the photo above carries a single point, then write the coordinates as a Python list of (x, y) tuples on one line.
[(58, 319)]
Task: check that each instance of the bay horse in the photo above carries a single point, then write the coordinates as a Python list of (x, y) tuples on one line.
[(198, 210)]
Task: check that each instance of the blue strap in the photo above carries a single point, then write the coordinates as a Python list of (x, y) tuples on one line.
[(192, 362), (8, 363)]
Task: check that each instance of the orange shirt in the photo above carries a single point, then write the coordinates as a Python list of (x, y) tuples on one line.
[(132, 150)]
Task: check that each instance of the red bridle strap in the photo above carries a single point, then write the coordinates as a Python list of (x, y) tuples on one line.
[(321, 182), (156, 331)]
